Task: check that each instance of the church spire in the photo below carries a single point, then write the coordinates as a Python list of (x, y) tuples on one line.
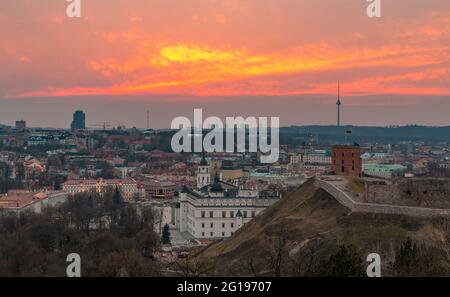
[(203, 162)]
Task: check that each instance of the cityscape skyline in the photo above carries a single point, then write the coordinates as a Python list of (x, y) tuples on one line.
[(213, 54), (158, 114)]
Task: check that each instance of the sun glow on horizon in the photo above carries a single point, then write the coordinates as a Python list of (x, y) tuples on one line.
[(227, 48)]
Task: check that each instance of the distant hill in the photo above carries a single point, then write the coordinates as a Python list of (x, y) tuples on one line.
[(367, 133), (308, 225)]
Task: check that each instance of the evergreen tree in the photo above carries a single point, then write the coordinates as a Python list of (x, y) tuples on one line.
[(347, 262), (117, 198), (165, 237), (406, 257)]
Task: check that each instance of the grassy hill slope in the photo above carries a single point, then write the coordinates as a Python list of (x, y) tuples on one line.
[(308, 226)]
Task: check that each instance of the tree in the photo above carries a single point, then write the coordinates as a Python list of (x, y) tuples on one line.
[(129, 223), (107, 171), (276, 253), (406, 257), (35, 244), (117, 198), (165, 237), (148, 241), (58, 180), (347, 262), (191, 266), (305, 260), (20, 172), (4, 177), (127, 263)]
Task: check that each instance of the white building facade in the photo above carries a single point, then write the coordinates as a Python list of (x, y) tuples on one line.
[(218, 210), (214, 216)]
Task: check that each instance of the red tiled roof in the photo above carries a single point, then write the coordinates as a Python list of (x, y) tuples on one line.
[(20, 199)]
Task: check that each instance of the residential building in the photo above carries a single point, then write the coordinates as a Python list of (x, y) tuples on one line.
[(160, 189), (129, 188), (384, 170)]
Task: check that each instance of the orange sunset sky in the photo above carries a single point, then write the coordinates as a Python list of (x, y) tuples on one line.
[(169, 54)]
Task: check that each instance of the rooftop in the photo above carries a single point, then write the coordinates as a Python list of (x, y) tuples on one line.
[(20, 198)]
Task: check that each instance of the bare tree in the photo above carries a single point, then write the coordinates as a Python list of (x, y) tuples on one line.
[(305, 258), (276, 253), (191, 266), (251, 267)]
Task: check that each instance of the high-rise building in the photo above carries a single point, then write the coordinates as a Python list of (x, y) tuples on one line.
[(21, 125), (79, 121), (347, 160)]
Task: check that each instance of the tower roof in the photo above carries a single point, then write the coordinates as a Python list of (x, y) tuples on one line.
[(203, 162)]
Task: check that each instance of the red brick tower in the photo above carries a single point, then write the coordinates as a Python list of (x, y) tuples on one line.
[(347, 160)]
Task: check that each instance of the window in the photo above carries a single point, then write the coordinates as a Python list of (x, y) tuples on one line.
[(203, 214), (253, 214), (232, 225), (203, 234), (212, 225), (245, 214), (212, 234), (231, 214), (343, 169), (211, 214), (203, 225), (223, 225), (224, 214), (223, 234)]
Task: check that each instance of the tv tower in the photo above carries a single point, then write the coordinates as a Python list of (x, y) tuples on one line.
[(338, 104)]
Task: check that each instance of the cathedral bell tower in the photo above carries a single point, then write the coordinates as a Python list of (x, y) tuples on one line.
[(203, 173)]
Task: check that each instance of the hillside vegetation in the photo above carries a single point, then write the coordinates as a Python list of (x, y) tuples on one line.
[(307, 232)]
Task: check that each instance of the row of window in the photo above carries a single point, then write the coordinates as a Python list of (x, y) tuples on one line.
[(212, 234), (343, 155), (343, 162), (343, 168), (212, 225), (224, 214)]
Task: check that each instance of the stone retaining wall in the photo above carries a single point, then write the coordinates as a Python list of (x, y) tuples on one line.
[(348, 202)]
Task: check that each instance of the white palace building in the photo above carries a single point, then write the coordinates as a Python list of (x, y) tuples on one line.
[(216, 209)]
